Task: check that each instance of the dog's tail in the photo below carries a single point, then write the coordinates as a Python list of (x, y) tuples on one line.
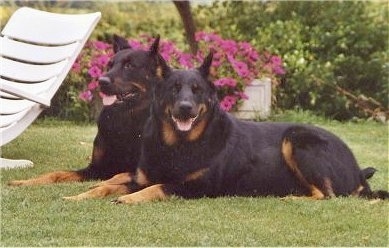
[(367, 192)]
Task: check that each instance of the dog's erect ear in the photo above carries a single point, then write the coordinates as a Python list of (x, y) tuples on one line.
[(163, 70), (119, 43), (154, 47), (204, 68)]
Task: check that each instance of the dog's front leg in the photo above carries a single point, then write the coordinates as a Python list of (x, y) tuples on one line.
[(100, 192), (152, 193), (121, 178)]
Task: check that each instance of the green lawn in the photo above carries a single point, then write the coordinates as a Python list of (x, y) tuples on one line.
[(37, 216)]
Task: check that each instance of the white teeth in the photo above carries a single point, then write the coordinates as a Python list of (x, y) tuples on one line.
[(184, 125), (129, 95)]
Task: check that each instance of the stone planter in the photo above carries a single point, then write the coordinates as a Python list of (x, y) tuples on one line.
[(259, 103)]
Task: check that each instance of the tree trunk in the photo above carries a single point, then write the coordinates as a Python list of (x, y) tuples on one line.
[(183, 8)]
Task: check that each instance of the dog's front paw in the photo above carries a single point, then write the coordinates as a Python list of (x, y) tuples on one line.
[(126, 199), (72, 198), (152, 193), (17, 183)]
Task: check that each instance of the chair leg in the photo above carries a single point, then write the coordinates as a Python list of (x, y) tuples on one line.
[(14, 164)]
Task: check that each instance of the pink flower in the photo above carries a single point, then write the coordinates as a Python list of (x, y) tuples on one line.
[(93, 85), (76, 67), (167, 47), (230, 99), (95, 72), (253, 55), (242, 95), (207, 37), (134, 44), (101, 45), (86, 96), (240, 67), (229, 47), (226, 105), (165, 56), (278, 70), (186, 60), (275, 60), (102, 60), (276, 65), (230, 82)]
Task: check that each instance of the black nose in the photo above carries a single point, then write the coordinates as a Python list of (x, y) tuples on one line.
[(185, 107), (104, 81)]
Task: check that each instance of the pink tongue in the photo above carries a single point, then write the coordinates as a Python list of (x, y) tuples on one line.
[(184, 125), (108, 100)]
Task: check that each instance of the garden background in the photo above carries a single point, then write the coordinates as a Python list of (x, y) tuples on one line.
[(328, 62), (335, 54)]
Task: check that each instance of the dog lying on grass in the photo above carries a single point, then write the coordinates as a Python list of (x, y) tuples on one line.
[(191, 148), (127, 86)]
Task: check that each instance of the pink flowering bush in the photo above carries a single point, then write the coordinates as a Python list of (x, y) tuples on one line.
[(90, 65), (235, 64)]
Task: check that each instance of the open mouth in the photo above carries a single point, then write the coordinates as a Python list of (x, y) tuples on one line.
[(184, 125), (111, 99)]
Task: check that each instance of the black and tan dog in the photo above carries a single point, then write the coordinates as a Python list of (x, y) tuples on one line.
[(191, 148), (116, 148)]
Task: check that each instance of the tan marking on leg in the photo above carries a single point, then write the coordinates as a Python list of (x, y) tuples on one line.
[(357, 191), (316, 194), (49, 178), (121, 178), (141, 178), (287, 152), (196, 175), (100, 192), (168, 134), (152, 193)]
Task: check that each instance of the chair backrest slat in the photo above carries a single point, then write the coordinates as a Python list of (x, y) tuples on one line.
[(29, 72), (35, 53), (33, 88), (47, 28)]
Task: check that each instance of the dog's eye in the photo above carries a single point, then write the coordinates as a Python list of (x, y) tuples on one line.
[(128, 65), (177, 86), (196, 88)]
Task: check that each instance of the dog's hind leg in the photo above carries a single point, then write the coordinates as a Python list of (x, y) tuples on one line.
[(49, 178), (307, 165)]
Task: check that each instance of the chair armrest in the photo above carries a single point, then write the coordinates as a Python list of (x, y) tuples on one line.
[(23, 94)]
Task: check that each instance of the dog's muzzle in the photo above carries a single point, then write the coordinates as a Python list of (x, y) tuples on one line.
[(110, 94), (184, 115)]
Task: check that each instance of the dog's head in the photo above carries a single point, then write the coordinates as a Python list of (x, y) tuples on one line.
[(184, 100), (130, 74)]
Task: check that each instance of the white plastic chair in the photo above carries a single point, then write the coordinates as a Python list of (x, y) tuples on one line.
[(37, 50)]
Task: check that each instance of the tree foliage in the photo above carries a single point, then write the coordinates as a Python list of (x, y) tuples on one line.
[(326, 46)]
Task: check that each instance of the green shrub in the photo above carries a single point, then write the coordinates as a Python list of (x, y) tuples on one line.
[(323, 45)]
